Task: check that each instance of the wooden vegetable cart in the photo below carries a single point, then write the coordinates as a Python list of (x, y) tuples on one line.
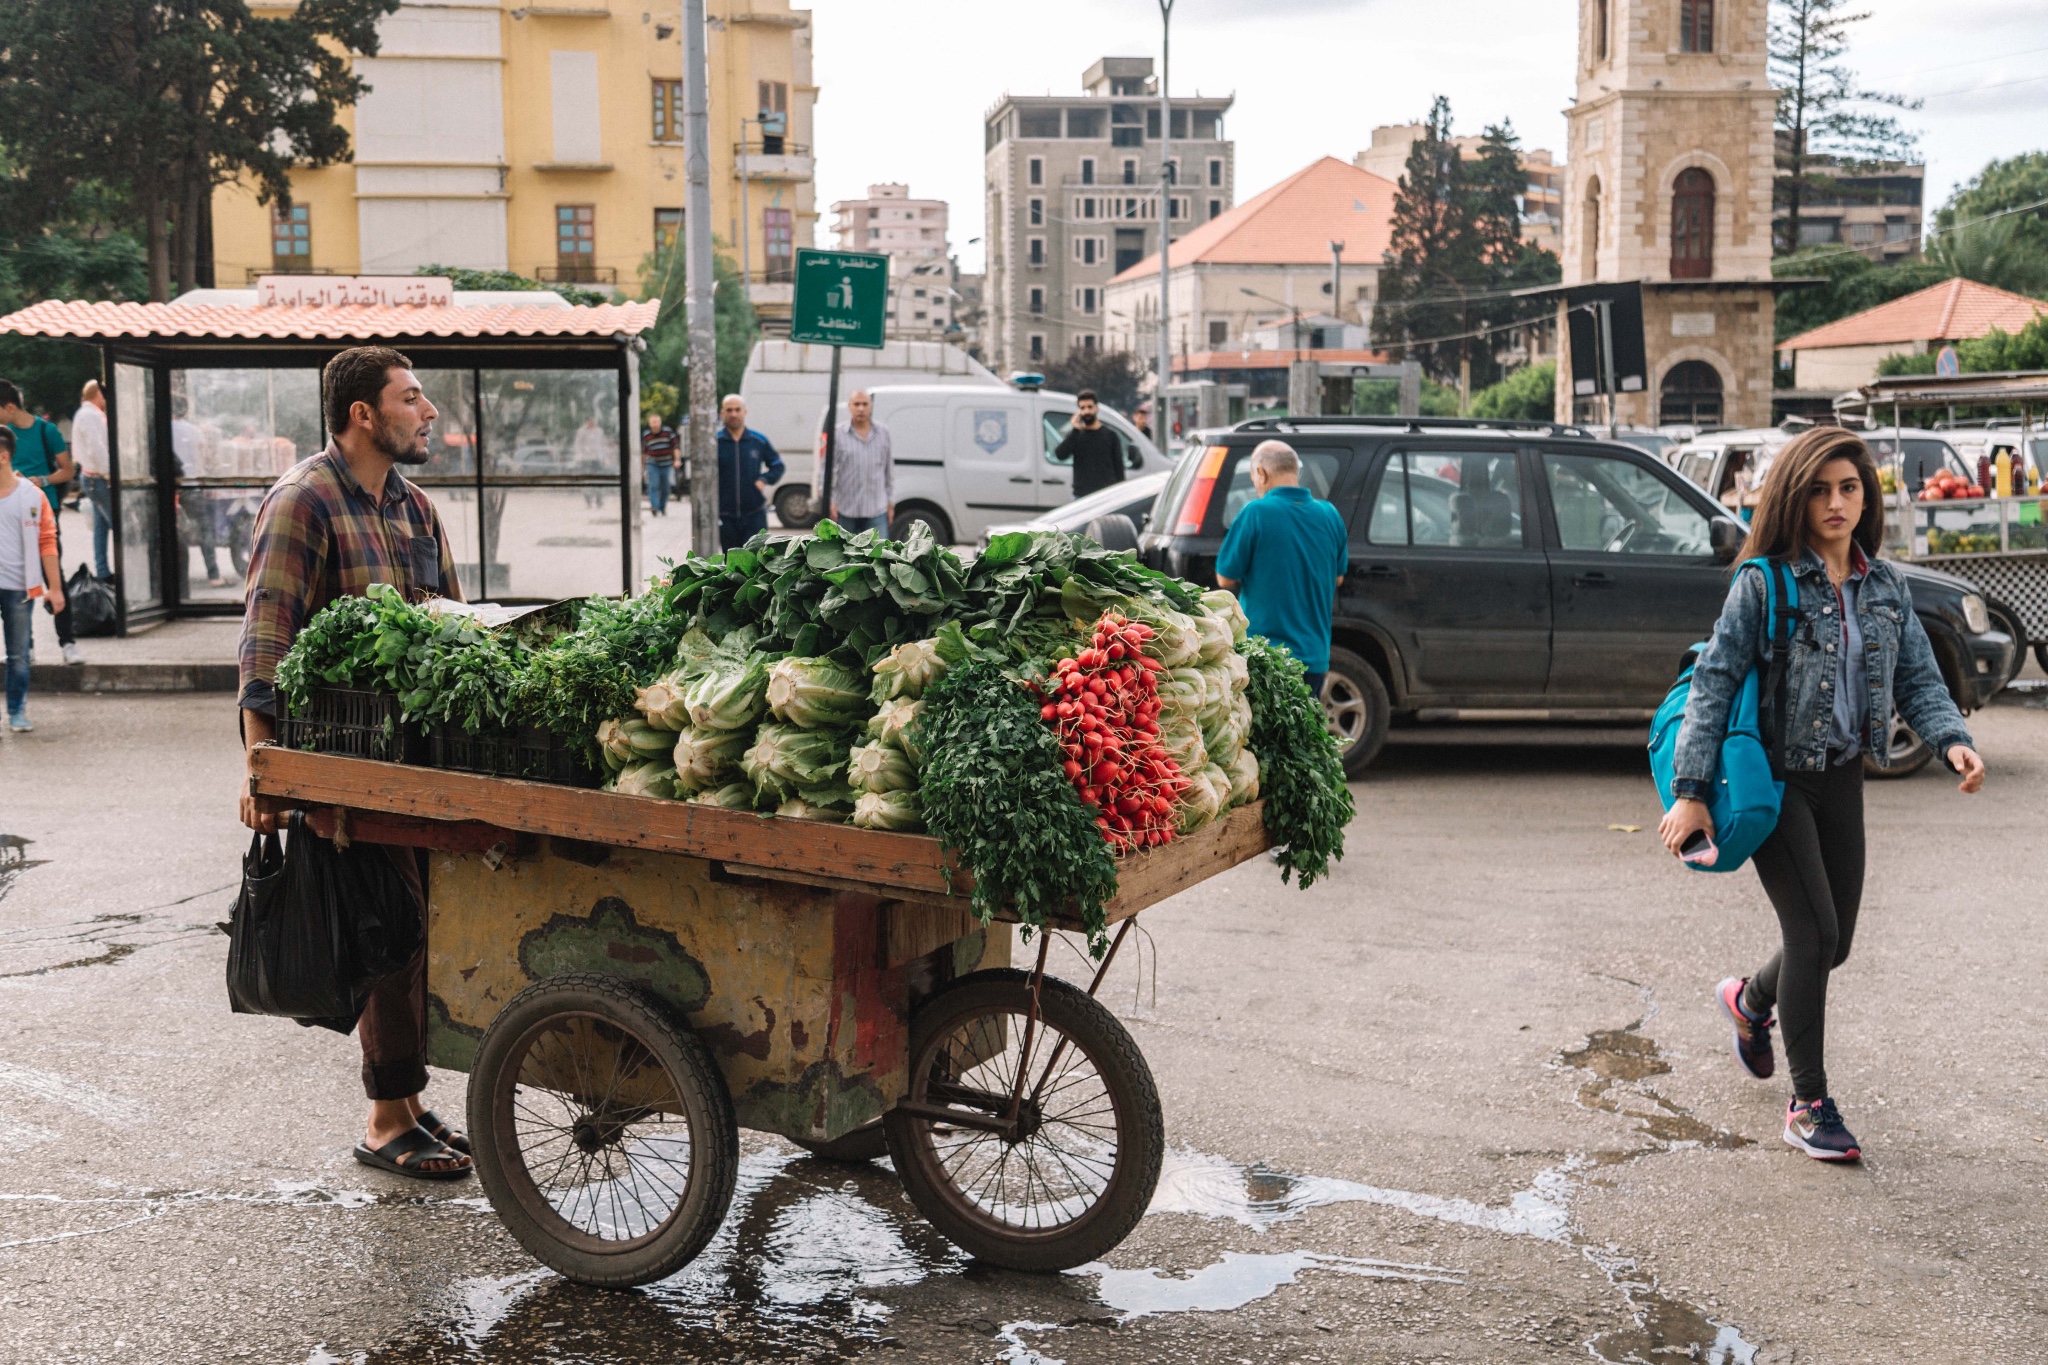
[(628, 982)]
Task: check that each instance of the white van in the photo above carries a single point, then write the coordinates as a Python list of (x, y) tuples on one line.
[(967, 458), (787, 382)]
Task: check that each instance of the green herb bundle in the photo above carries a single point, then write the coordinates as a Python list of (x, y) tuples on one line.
[(1300, 773), (444, 669), (994, 792)]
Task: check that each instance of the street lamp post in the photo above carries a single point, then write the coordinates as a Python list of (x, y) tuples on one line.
[(1165, 202), (700, 443)]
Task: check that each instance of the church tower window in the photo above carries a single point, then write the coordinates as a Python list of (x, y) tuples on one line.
[(1695, 25), (1692, 225)]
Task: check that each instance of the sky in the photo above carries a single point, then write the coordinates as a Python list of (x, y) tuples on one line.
[(905, 84)]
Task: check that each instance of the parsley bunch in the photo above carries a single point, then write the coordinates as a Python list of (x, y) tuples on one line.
[(995, 794), (1300, 773)]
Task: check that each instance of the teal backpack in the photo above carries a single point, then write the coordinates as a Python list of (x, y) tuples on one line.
[(1747, 791)]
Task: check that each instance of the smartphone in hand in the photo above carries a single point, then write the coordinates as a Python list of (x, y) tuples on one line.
[(1698, 849)]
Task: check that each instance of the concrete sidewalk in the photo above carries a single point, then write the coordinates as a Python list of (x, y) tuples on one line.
[(175, 656)]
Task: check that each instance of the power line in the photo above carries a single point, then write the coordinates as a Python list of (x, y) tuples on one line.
[(1971, 90)]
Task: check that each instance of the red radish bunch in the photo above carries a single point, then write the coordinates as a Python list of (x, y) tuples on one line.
[(1104, 706)]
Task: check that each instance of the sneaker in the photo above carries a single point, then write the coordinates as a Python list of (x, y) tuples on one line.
[(17, 721), (1817, 1130), (72, 654), (1752, 1035)]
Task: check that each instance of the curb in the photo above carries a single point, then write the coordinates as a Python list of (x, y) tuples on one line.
[(169, 677)]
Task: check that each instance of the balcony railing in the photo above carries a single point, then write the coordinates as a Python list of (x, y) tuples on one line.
[(577, 272), (253, 273), (773, 159)]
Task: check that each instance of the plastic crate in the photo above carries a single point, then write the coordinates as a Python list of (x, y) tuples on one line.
[(533, 754), (346, 720)]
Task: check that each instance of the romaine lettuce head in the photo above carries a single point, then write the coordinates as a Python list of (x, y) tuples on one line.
[(880, 767), (797, 808), (1221, 602), (730, 693), (709, 758), (897, 810), (893, 725), (732, 796), (815, 693), (785, 759), (907, 670)]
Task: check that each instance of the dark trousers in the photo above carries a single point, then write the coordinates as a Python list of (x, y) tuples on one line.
[(1315, 684), (62, 618), (1812, 869), (734, 532), (393, 1026)]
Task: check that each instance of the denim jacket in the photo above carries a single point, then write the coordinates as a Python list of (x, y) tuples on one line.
[(1899, 667)]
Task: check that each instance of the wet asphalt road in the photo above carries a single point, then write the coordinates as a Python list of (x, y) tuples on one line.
[(1467, 1101)]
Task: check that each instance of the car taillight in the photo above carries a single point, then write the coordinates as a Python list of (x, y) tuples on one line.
[(1196, 505)]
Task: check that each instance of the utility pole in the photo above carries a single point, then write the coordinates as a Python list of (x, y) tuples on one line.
[(1337, 281), (698, 439), (1162, 425), (746, 238)]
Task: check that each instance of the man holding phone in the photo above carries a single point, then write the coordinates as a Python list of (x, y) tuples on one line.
[(1095, 451)]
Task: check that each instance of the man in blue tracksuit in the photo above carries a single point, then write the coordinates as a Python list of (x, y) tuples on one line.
[(747, 464), (1284, 557)]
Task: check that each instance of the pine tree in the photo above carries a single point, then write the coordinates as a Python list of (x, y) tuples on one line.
[(1818, 117), (160, 101), (1457, 253)]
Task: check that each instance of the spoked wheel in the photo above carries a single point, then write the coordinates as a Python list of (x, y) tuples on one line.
[(1034, 1146), (604, 1134)]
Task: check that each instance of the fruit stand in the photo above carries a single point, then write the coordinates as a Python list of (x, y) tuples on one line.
[(1998, 544), (629, 981)]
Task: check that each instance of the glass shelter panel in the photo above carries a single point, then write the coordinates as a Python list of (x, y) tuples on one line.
[(551, 422), (233, 432), (451, 452), (135, 419), (549, 543)]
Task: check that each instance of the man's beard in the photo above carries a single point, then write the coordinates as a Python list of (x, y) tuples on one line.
[(401, 450)]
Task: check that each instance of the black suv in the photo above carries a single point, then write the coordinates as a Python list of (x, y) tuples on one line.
[(1514, 572)]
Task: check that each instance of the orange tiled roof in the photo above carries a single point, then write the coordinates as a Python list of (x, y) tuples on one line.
[(1271, 360), (348, 322), (1950, 311), (1294, 222)]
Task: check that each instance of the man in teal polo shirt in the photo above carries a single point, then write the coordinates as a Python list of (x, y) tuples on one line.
[(41, 457), (1284, 557)]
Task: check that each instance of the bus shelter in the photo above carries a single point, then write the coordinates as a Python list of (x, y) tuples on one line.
[(210, 398)]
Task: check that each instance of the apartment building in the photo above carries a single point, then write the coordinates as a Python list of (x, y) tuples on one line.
[(1877, 209), (548, 140), (1542, 195), (923, 294), (1073, 201)]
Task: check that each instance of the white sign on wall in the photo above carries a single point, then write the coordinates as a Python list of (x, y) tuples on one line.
[(335, 291), (1692, 324)]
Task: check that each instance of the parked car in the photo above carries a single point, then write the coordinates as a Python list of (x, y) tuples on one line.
[(968, 458), (1132, 498), (1505, 572)]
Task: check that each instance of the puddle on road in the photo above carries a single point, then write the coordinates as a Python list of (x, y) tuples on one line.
[(1620, 1063), (96, 942)]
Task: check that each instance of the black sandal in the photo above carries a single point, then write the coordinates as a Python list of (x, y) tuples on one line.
[(441, 1132), (419, 1145)]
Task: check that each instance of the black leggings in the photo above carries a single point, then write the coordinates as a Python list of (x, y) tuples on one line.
[(1812, 869)]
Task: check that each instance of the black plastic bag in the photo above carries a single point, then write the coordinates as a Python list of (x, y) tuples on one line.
[(316, 927), (91, 601)]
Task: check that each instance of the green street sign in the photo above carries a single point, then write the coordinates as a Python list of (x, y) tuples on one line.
[(842, 298)]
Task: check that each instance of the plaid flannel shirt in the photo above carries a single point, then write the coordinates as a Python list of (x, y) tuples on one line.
[(320, 535)]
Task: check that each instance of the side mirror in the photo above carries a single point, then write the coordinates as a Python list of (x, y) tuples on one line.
[(1727, 537)]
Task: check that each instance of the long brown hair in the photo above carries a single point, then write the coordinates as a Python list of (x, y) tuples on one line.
[(1777, 529)]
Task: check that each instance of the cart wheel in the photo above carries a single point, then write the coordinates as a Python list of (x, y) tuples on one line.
[(862, 1144), (1075, 1173), (604, 1134)]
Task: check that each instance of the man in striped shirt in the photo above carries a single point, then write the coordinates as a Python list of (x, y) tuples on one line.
[(864, 469), (662, 449), (332, 526)]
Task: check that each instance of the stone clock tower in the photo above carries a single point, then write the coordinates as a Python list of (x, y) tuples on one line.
[(1670, 185)]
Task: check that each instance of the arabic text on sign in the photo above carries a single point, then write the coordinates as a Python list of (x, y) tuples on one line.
[(332, 291)]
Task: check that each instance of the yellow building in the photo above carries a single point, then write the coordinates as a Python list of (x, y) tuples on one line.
[(547, 140)]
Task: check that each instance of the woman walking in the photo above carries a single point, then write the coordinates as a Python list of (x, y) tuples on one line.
[(1856, 652)]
